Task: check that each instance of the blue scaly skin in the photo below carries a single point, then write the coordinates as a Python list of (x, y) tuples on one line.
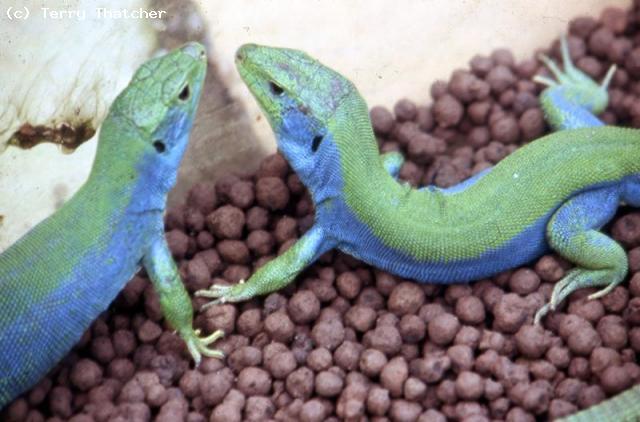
[(552, 194), (61, 275)]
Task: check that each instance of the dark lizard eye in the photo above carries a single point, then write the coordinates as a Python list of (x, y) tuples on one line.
[(275, 88), (315, 144), (184, 94), (159, 146)]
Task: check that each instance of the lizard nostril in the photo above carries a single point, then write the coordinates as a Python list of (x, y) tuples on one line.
[(239, 56)]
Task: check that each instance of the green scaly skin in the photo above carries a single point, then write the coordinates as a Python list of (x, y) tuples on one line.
[(61, 275), (554, 193)]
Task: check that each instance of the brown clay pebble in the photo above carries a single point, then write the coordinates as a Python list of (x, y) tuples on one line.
[(382, 120), (253, 381), (348, 284), (328, 384), (85, 374), (241, 194), (372, 361), (469, 386), (532, 341), (272, 193), (583, 341), (443, 329), (524, 281), (347, 355), (613, 331), (470, 310), (405, 110), (615, 379), (461, 357), (279, 327), (360, 318), (226, 222), (403, 410), (328, 334), (412, 328), (447, 111), (300, 383), (509, 313), (393, 376), (313, 411), (406, 298), (214, 386), (378, 401)]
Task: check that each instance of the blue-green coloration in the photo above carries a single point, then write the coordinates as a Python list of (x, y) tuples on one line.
[(466, 232), (62, 274), (552, 194)]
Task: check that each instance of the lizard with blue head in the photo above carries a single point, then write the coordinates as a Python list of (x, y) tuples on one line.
[(552, 194), (62, 274)]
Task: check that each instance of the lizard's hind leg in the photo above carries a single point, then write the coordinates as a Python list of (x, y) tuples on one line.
[(573, 233), (572, 100)]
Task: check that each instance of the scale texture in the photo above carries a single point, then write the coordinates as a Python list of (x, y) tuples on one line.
[(62, 274)]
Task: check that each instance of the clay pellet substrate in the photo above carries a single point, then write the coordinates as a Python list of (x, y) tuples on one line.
[(347, 341)]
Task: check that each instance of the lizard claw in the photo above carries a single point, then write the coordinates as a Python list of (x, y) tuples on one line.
[(198, 346), (575, 83), (223, 293), (541, 313), (560, 291), (216, 291)]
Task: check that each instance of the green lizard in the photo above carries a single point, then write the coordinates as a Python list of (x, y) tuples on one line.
[(554, 193), (61, 275)]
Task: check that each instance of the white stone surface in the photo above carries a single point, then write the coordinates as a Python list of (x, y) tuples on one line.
[(54, 71), (389, 49)]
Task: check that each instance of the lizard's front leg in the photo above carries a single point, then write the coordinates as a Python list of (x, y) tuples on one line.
[(573, 233), (276, 273), (174, 300)]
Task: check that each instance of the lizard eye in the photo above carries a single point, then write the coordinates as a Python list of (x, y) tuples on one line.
[(275, 88), (184, 94), (315, 144), (159, 146)]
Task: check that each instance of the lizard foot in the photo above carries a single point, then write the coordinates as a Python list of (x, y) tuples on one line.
[(223, 294), (198, 346), (574, 280), (576, 84), (561, 290)]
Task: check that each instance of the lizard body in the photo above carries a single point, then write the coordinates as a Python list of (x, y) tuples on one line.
[(61, 275), (506, 216), (552, 194)]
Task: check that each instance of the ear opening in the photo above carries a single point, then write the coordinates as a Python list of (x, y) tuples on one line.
[(315, 144), (159, 145)]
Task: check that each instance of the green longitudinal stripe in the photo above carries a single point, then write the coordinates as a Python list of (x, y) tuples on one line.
[(443, 227)]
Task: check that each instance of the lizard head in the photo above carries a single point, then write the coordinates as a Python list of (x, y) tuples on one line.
[(300, 98), (155, 112)]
